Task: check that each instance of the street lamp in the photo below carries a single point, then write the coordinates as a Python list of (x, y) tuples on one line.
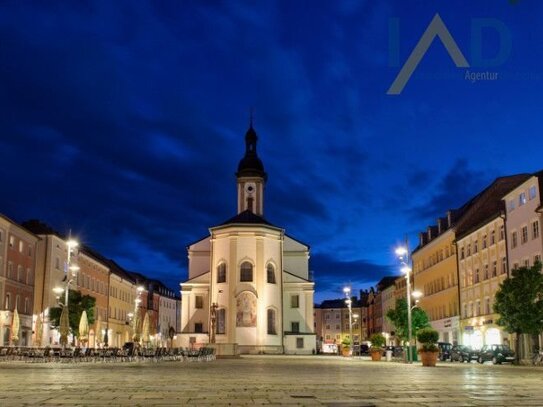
[(403, 256), (349, 302), (71, 269)]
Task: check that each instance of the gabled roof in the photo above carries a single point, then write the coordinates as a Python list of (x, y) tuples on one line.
[(247, 217), (298, 241), (201, 278), (386, 282), (488, 204), (38, 227), (339, 303), (298, 277), (119, 271)]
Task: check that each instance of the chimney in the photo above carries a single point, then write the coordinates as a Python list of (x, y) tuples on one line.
[(422, 238)]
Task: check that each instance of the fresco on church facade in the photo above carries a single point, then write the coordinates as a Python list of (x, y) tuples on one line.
[(246, 310)]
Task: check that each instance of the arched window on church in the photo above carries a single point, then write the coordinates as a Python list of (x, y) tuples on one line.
[(270, 271), (221, 321), (271, 322), (221, 273), (246, 272)]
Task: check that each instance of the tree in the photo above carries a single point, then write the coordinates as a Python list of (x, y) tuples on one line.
[(519, 302), (76, 304), (398, 317)]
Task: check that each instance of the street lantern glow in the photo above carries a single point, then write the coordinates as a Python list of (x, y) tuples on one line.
[(405, 269), (72, 243), (347, 290), (416, 294), (74, 268), (401, 251), (58, 290), (140, 289)]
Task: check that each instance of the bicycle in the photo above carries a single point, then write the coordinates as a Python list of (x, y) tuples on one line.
[(537, 358)]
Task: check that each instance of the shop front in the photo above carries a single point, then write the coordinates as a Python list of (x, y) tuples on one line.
[(447, 328), (477, 332)]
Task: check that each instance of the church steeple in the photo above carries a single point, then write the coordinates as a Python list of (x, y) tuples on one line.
[(251, 176)]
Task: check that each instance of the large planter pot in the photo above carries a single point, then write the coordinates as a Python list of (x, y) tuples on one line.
[(376, 355), (345, 351), (428, 358)]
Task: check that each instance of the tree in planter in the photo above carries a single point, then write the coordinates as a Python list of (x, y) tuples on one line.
[(519, 302), (428, 338), (76, 304), (398, 317), (346, 346), (377, 342)]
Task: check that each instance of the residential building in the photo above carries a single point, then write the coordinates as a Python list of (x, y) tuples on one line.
[(401, 287), (387, 287), (524, 216), (251, 276), (93, 280), (122, 288), (482, 263), (167, 314), (150, 303), (17, 280), (333, 321), (51, 266), (435, 276)]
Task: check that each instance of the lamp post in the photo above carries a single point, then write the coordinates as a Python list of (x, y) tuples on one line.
[(71, 269), (403, 255), (137, 302), (349, 302)]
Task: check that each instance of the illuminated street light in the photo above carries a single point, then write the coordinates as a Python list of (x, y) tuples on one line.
[(71, 270), (72, 243), (403, 256), (349, 302)]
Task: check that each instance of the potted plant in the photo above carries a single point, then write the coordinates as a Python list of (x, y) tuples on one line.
[(346, 346), (377, 343), (429, 351)]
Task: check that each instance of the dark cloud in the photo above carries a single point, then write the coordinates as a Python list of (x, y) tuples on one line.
[(124, 122), (454, 189), (332, 274)]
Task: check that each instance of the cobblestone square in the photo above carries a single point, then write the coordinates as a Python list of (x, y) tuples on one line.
[(270, 380)]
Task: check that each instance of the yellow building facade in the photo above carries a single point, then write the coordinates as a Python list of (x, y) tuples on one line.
[(482, 255), (435, 276), (122, 294)]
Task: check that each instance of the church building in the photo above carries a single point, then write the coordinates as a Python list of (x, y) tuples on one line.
[(249, 289)]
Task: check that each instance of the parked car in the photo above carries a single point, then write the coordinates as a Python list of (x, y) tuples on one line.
[(364, 349), (444, 350), (463, 353), (496, 353)]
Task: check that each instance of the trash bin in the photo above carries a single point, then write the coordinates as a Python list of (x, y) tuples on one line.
[(389, 355)]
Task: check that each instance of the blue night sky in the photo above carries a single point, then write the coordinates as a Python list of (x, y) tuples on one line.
[(124, 121)]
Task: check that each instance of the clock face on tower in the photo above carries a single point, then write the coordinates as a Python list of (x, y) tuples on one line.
[(250, 188)]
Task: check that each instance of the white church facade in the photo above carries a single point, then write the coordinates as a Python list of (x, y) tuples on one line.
[(248, 289)]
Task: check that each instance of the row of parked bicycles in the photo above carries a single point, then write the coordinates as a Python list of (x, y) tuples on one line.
[(107, 355)]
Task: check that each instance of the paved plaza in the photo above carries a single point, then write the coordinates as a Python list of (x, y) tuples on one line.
[(275, 380)]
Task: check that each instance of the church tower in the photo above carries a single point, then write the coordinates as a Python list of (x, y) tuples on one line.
[(251, 177)]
